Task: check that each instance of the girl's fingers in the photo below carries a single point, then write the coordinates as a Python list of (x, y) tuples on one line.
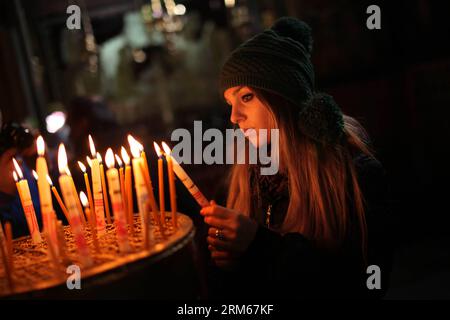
[(217, 222), (217, 211), (220, 245), (220, 255), (224, 233)]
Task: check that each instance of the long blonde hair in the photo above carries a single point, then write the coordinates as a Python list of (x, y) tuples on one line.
[(323, 184)]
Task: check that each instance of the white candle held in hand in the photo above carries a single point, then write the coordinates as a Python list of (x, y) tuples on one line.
[(185, 179)]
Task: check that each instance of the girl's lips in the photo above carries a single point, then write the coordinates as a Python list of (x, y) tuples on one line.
[(244, 130)]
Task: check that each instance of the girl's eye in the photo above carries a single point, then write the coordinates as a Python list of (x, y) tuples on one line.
[(247, 97)]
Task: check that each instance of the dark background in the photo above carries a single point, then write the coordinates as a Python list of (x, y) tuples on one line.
[(396, 81)]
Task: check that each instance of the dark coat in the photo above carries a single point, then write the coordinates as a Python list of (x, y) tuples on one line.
[(289, 266)]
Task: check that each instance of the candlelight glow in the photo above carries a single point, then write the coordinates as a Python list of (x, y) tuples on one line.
[(132, 140), (166, 148), (99, 158), (92, 146), (89, 161), (49, 180), (62, 159), (134, 147), (68, 171), (119, 161), (40, 146), (15, 176), (18, 170), (82, 166), (109, 158), (179, 10), (55, 121), (141, 147), (157, 149), (84, 200), (125, 156), (230, 3), (35, 175)]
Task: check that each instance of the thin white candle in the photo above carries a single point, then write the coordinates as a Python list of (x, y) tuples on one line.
[(45, 196), (70, 199), (27, 204), (185, 179), (97, 192), (115, 195)]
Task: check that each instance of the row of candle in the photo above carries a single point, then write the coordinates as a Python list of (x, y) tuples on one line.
[(96, 202)]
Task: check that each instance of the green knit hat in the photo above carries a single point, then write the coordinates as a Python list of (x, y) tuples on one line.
[(278, 60)]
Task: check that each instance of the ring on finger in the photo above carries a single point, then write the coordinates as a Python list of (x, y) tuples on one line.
[(219, 234)]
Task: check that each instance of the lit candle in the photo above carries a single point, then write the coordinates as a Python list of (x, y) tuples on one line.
[(146, 175), (45, 196), (91, 217), (50, 229), (89, 162), (172, 190), (27, 204), (104, 188), (80, 208), (70, 199), (187, 181), (97, 192), (115, 195), (128, 189), (122, 185), (88, 186), (58, 198), (139, 183), (162, 204)]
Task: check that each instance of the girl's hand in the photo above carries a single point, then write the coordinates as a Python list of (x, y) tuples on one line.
[(230, 232)]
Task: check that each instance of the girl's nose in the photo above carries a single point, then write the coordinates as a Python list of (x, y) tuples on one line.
[(236, 115)]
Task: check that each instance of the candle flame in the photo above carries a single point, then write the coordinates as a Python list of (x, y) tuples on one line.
[(35, 175), (84, 200), (99, 158), (166, 148), (15, 176), (157, 149), (68, 171), (49, 180), (119, 161), (82, 166), (134, 147), (141, 147), (18, 170), (89, 161), (125, 156), (40, 146), (109, 158), (62, 159), (92, 146), (131, 140)]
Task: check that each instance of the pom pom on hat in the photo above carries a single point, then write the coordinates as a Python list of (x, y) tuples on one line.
[(294, 29), (322, 119)]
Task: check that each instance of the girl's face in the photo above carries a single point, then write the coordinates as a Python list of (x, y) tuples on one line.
[(248, 112)]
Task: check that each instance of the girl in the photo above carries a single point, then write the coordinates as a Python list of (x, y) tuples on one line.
[(312, 229)]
